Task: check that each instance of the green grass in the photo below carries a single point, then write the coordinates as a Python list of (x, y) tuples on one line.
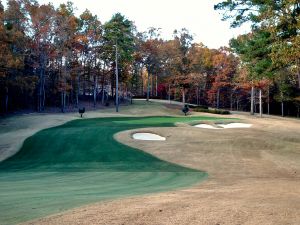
[(79, 163)]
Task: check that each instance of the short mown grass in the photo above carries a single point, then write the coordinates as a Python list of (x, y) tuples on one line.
[(80, 162)]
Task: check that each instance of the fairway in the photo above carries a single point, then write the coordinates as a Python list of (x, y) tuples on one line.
[(164, 118), (80, 162)]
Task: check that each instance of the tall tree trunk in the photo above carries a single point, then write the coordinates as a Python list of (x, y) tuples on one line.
[(39, 98), (156, 86), (84, 80), (65, 95), (112, 87), (103, 96), (68, 99), (142, 86), (44, 96), (40, 83), (298, 65), (231, 100), (6, 100), (102, 89), (268, 100), (255, 101), (151, 86), (148, 87), (78, 90), (72, 92), (62, 102), (218, 98), (183, 95), (95, 91), (282, 105), (169, 94), (117, 80), (252, 101), (260, 103), (63, 105), (102, 85), (62, 86), (197, 95), (40, 91)]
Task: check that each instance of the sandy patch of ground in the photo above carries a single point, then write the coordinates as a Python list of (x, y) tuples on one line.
[(254, 178)]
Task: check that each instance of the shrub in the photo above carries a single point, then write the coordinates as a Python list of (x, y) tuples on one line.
[(197, 106), (214, 111)]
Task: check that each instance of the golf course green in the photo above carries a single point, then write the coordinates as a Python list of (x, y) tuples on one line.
[(80, 162)]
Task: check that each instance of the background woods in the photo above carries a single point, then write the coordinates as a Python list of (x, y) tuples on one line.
[(52, 58)]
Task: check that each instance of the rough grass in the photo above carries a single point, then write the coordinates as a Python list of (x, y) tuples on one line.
[(79, 163)]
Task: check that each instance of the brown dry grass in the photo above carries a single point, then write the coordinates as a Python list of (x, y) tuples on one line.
[(254, 178)]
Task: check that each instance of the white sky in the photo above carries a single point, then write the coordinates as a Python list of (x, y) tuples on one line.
[(198, 16)]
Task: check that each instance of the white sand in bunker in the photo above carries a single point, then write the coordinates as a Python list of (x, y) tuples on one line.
[(235, 125), (148, 137), (206, 126), (226, 126)]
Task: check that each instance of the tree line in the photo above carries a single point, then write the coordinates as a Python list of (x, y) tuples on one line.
[(49, 57), (269, 54)]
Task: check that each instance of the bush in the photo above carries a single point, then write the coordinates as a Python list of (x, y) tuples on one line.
[(198, 106), (214, 111)]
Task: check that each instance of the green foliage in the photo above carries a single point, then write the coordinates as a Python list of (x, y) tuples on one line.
[(118, 33), (183, 40), (272, 46), (285, 84), (278, 19), (213, 111), (119, 30), (240, 11), (255, 49), (198, 106)]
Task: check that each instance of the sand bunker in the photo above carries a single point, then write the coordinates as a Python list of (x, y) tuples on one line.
[(221, 126), (207, 126), (235, 125), (148, 137)]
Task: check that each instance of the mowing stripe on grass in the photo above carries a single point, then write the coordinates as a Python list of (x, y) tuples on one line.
[(79, 163)]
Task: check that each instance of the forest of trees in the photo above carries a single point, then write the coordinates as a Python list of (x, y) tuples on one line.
[(51, 58)]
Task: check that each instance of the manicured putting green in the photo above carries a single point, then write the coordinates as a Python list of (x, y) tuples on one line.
[(80, 163)]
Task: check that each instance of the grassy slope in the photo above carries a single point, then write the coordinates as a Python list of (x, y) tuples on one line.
[(79, 163)]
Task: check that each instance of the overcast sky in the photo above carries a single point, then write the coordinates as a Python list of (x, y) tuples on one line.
[(198, 16)]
